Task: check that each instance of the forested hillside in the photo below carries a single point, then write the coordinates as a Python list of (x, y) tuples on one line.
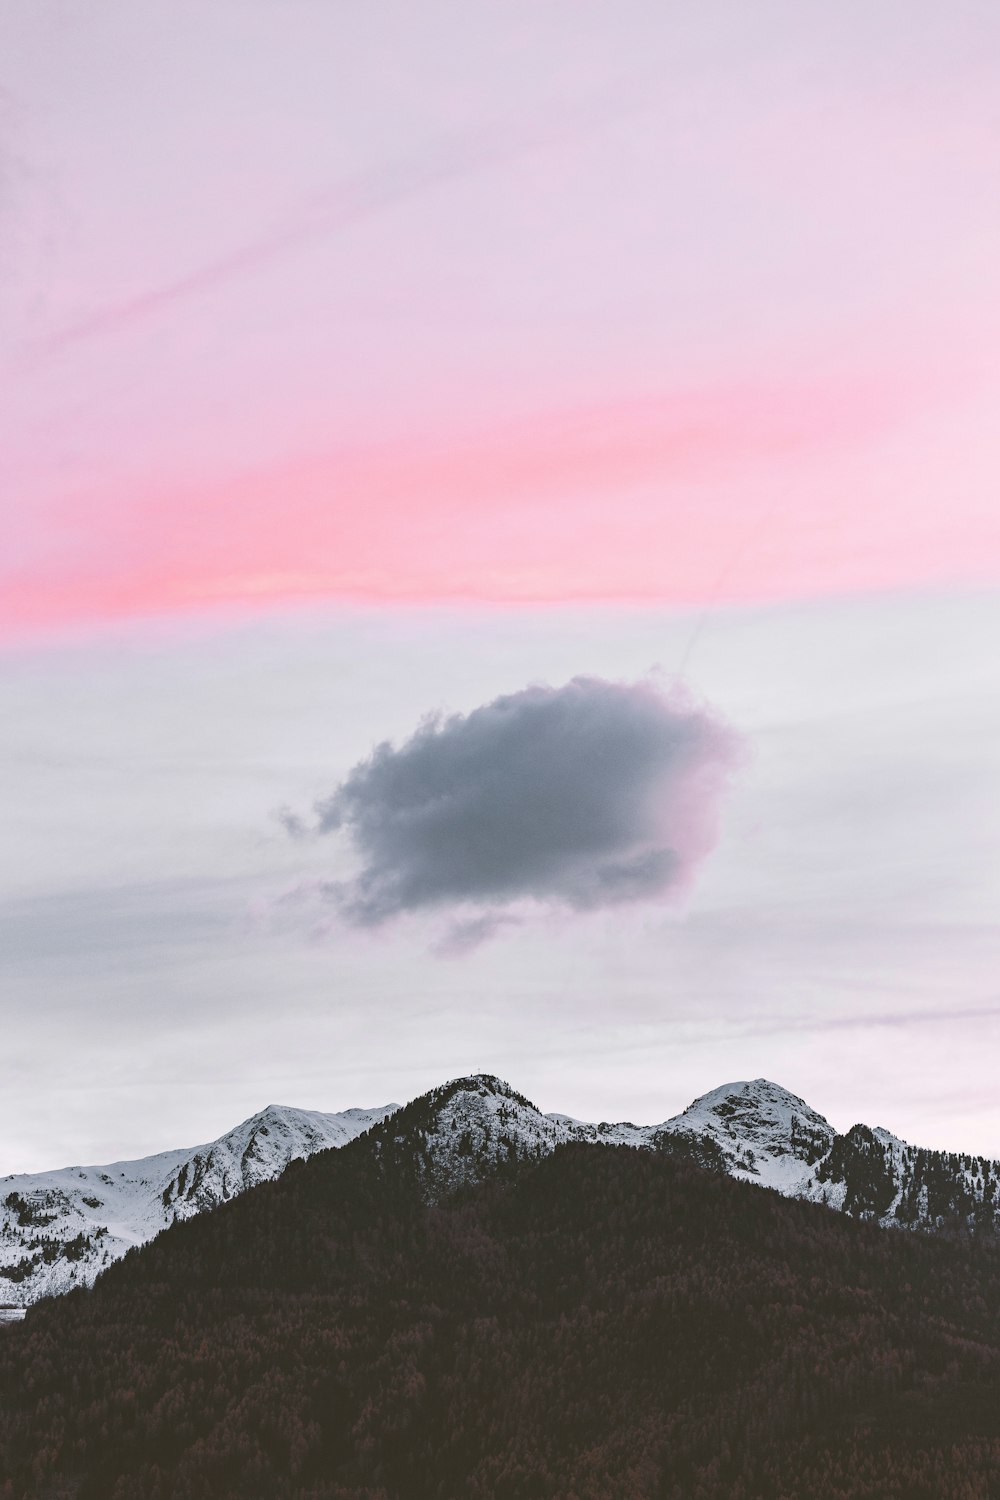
[(602, 1323)]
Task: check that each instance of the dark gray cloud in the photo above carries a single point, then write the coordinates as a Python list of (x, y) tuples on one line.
[(589, 795)]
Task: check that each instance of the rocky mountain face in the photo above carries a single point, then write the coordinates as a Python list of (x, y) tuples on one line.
[(59, 1229)]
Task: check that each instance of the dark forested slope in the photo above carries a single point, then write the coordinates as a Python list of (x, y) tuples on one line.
[(602, 1323)]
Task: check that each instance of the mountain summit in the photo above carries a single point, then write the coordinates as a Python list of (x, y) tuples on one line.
[(763, 1132)]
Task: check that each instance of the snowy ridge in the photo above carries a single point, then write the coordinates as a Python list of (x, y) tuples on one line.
[(760, 1132), (60, 1229), (475, 1127), (470, 1127)]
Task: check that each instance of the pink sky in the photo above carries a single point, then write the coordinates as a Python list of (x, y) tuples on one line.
[(740, 495), (529, 305), (673, 310)]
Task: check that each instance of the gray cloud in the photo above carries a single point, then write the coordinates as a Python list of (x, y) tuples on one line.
[(586, 796)]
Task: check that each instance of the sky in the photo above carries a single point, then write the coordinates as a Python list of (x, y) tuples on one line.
[(500, 557)]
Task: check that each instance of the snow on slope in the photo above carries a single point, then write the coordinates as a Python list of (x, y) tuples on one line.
[(59, 1229)]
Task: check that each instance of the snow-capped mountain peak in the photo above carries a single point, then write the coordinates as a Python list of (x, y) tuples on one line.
[(763, 1131), (59, 1229)]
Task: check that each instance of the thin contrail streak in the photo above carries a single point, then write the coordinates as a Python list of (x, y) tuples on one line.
[(346, 204)]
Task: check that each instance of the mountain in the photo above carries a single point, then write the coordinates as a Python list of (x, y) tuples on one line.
[(765, 1134), (60, 1229), (474, 1127), (757, 1131), (598, 1322)]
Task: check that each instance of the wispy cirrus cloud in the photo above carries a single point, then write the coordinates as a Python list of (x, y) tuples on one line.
[(342, 205)]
